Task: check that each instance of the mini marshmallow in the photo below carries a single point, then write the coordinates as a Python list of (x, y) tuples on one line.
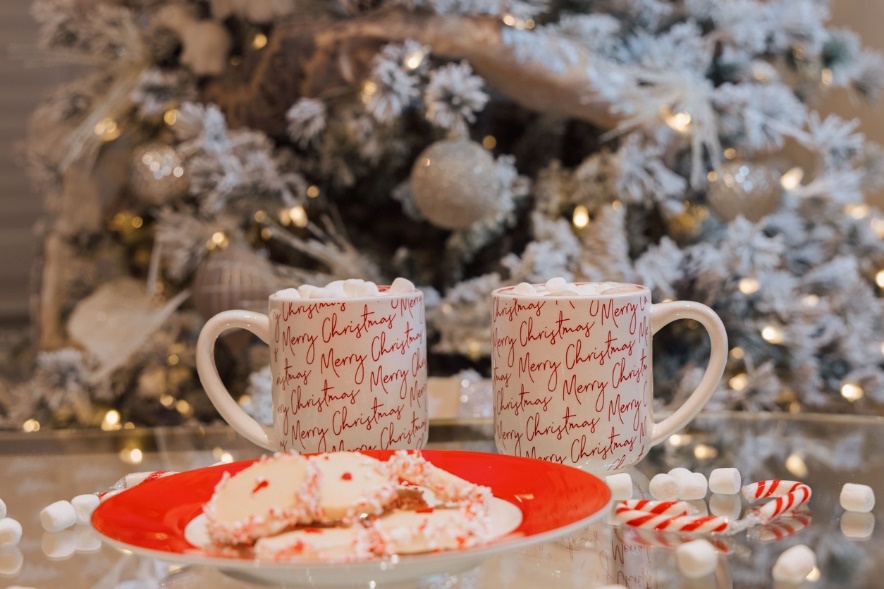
[(680, 473), (857, 525), (87, 540), (664, 487), (59, 545), (10, 532), (336, 288), (287, 293), (794, 564), (305, 289), (728, 506), (321, 293), (699, 505), (58, 516), (693, 486), (859, 498), (353, 287), (401, 286), (2, 509), (84, 505), (523, 288), (554, 284), (696, 558), (620, 485), (725, 481), (11, 561)]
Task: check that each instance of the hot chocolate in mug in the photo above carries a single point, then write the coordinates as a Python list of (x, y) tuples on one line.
[(347, 373), (572, 372)]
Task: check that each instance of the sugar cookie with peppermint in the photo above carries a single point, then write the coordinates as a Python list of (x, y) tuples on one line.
[(344, 544), (269, 496), (428, 530), (351, 485), (448, 488)]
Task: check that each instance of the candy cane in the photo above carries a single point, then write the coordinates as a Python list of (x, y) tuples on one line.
[(783, 504), (662, 539), (769, 488), (699, 524), (670, 508)]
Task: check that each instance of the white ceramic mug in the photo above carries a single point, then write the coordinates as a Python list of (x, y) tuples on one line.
[(572, 374), (348, 373)]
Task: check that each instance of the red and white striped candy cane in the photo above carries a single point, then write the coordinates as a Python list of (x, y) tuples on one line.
[(698, 524), (769, 488), (670, 508), (784, 527), (780, 505)]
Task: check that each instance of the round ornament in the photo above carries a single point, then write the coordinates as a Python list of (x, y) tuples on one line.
[(453, 183), (232, 278), (157, 174), (744, 188)]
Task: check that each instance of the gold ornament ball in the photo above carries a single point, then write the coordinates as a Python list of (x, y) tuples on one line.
[(744, 188), (232, 278), (157, 174), (453, 183)]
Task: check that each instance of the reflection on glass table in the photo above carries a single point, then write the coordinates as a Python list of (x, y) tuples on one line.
[(824, 451)]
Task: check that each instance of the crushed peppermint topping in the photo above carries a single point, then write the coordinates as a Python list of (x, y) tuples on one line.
[(262, 483), (346, 477)]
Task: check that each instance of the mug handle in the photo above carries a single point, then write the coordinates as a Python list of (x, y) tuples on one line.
[(257, 323), (664, 313)]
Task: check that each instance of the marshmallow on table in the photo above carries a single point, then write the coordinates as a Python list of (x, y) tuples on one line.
[(620, 485), (857, 525), (10, 532), (11, 561), (725, 481), (693, 486), (59, 545), (84, 505), (87, 540), (58, 516), (696, 558), (728, 506), (699, 505), (859, 498), (664, 487), (794, 564), (679, 473)]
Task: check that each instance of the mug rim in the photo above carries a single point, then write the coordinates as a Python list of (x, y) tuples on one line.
[(378, 297), (501, 292)]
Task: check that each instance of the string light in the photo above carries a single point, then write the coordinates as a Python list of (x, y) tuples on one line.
[(474, 350), (772, 335), (814, 574), (167, 400), (678, 440), (704, 452), (245, 400), (266, 233), (678, 121), (739, 382), (879, 278), (877, 225), (792, 178), (128, 425), (852, 392), (111, 420), (107, 129), (737, 353), (749, 285), (170, 117), (616, 205), (730, 153), (31, 426), (296, 215), (489, 142), (368, 89), (184, 408), (826, 77), (509, 20), (222, 455), (261, 216), (137, 222), (414, 59), (857, 211), (131, 455), (581, 217), (796, 465), (810, 300), (312, 191), (712, 176), (259, 41), (217, 241), (172, 359)]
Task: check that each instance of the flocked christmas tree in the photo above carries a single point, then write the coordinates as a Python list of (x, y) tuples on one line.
[(222, 149)]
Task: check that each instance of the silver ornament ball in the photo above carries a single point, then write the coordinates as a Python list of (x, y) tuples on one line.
[(232, 278), (157, 174), (742, 188), (453, 183)]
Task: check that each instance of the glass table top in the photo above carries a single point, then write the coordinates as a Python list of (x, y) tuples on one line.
[(824, 451)]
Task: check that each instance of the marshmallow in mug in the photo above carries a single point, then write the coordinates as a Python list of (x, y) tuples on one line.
[(343, 289), (558, 286)]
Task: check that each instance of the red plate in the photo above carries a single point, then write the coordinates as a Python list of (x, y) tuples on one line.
[(554, 499)]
